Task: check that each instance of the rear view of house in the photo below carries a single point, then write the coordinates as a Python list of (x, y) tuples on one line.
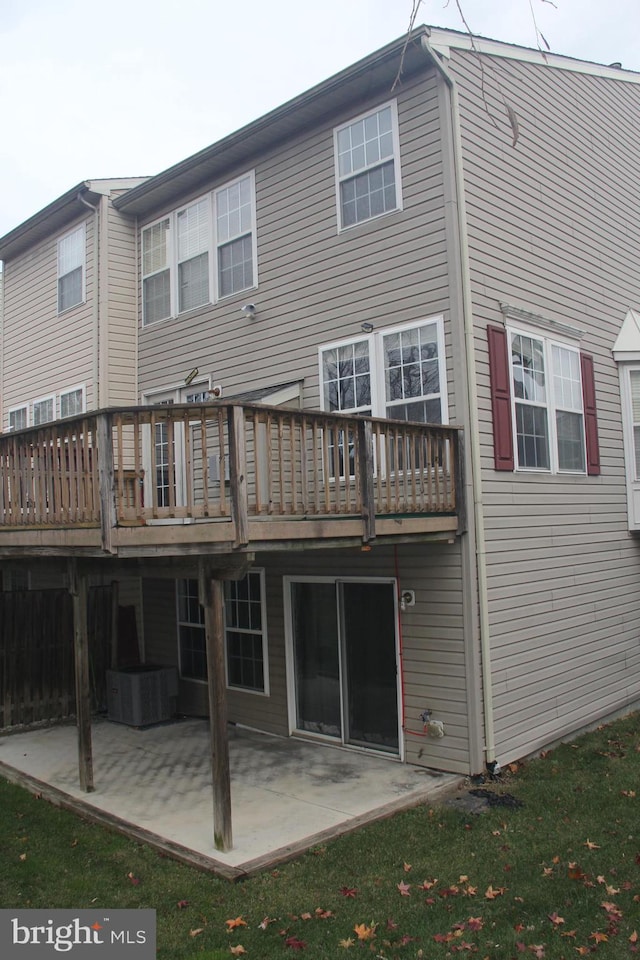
[(373, 479)]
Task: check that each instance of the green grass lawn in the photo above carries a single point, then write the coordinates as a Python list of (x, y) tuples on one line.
[(557, 877)]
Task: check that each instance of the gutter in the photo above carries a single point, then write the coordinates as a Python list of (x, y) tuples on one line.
[(474, 425)]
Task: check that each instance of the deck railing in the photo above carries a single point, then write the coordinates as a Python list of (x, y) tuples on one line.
[(141, 465)]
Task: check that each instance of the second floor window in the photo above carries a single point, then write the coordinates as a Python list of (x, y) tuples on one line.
[(397, 373), (44, 410), (547, 404), (368, 166), (18, 418), (200, 253), (72, 402), (71, 257)]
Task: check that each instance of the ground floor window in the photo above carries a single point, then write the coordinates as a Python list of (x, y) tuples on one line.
[(191, 637), (245, 626), (245, 632)]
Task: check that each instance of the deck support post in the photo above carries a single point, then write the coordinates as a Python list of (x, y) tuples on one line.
[(367, 494), (238, 475), (106, 479), (78, 591), (212, 599)]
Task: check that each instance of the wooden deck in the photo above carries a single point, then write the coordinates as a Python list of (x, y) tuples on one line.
[(219, 477)]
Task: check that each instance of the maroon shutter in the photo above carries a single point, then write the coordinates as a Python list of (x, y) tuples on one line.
[(590, 415), (500, 398)]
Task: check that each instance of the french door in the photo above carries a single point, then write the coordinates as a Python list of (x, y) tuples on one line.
[(343, 657)]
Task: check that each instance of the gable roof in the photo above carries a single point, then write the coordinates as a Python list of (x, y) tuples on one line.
[(375, 72), (56, 215)]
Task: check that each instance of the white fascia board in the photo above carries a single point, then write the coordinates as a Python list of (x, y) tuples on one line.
[(443, 41)]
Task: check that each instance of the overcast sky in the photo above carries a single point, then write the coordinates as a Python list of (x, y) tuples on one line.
[(128, 87)]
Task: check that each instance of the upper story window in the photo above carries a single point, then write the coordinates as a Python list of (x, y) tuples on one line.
[(235, 236), (547, 404), (368, 166), (397, 373), (19, 418), (72, 402), (71, 259), (543, 398), (179, 269), (44, 410)]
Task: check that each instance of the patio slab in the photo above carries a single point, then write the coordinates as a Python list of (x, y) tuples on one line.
[(154, 783)]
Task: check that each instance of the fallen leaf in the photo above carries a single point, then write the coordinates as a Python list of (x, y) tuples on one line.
[(305, 916), (537, 949), (555, 919), (406, 867), (363, 932), (349, 892), (475, 923), (237, 951), (428, 884), (583, 951), (182, 904), (404, 889), (323, 914), (237, 922), (547, 871), (612, 890), (569, 933), (134, 880), (194, 933), (634, 937), (295, 944), (23, 856), (391, 924), (598, 937), (350, 942), (264, 923), (590, 845), (491, 894)]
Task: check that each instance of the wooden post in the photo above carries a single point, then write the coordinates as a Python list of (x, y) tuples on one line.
[(106, 480), (367, 494), (212, 599), (238, 474), (78, 590)]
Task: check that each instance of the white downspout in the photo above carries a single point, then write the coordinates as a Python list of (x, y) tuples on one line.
[(474, 426)]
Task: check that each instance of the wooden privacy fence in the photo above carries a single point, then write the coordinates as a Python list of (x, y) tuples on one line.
[(37, 680), (224, 460)]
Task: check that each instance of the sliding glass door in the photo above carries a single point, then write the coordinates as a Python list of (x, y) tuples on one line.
[(344, 661)]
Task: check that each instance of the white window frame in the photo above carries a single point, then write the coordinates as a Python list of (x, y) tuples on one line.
[(550, 403), (262, 633), (250, 176), (188, 623), (80, 388), (212, 249), (626, 368), (397, 170), (49, 398), (81, 229), (19, 409), (375, 341)]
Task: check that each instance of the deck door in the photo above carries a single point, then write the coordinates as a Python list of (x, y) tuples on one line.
[(343, 659)]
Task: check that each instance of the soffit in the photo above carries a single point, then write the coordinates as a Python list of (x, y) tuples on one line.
[(362, 80)]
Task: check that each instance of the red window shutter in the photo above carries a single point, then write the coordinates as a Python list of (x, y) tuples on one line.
[(500, 398), (590, 415)]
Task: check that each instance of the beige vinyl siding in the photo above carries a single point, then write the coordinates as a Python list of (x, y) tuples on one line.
[(119, 373), (432, 641), (315, 285), (554, 227), (60, 346)]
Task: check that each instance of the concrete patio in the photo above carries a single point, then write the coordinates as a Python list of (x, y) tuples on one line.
[(155, 784)]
